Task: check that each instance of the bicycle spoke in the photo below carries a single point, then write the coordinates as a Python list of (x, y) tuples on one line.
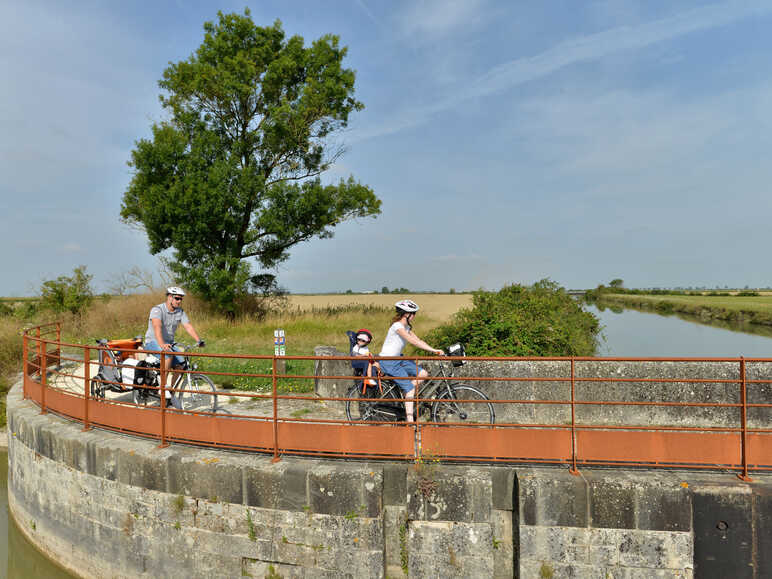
[(383, 408), (201, 396), (459, 406)]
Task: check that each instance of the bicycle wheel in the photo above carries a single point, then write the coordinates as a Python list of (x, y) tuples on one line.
[(381, 409), (202, 395), (97, 387), (456, 404), (139, 396)]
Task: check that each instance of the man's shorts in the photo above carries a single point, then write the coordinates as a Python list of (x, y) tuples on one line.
[(177, 361), (401, 368)]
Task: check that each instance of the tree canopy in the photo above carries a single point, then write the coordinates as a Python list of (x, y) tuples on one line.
[(68, 293), (232, 177)]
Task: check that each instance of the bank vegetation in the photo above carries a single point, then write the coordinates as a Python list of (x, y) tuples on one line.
[(745, 307)]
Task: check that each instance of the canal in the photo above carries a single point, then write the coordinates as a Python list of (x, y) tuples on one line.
[(18, 558), (627, 333), (631, 333)]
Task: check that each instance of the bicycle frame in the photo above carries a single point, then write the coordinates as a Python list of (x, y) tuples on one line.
[(427, 391), (182, 374)]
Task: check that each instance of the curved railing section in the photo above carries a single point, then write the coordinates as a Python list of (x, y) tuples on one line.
[(713, 413)]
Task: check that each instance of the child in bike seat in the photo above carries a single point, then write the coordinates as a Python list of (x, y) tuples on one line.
[(360, 340)]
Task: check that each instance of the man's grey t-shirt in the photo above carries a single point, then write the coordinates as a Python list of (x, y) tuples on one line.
[(169, 322)]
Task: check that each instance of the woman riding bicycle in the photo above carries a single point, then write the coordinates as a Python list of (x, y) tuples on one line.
[(399, 334)]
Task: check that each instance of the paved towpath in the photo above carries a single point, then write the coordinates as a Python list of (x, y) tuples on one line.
[(234, 402)]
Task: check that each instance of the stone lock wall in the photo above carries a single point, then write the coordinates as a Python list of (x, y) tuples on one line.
[(108, 505)]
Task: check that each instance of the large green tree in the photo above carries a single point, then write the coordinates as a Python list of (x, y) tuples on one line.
[(232, 176)]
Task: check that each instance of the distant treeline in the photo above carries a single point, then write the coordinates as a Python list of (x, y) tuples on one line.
[(603, 291)]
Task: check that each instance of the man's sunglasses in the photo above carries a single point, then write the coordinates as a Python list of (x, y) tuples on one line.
[(177, 298)]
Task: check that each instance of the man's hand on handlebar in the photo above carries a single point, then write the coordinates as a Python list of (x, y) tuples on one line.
[(201, 343)]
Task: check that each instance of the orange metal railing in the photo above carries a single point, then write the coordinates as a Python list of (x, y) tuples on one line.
[(582, 432)]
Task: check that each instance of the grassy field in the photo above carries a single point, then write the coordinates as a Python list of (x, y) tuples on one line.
[(750, 309), (436, 306), (308, 321)]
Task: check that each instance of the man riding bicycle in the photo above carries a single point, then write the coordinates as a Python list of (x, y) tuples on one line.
[(162, 325)]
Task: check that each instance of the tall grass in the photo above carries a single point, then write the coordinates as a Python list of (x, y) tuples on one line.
[(10, 358)]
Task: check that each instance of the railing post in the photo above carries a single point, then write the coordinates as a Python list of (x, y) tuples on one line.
[(58, 345), (25, 361), (162, 392), (43, 379), (86, 380), (39, 350), (573, 470), (744, 419), (416, 428), (276, 457)]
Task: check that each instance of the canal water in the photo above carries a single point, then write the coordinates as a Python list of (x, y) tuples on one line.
[(18, 558), (631, 333), (627, 333)]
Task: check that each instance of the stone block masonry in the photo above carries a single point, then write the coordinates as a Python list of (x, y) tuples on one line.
[(108, 505)]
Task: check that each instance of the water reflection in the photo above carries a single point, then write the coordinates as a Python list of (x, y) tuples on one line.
[(743, 328), (642, 333), (17, 555)]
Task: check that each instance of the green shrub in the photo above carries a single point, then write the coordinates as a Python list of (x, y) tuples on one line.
[(68, 294), (541, 320)]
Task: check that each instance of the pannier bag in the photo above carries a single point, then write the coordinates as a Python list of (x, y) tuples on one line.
[(128, 371), (146, 373)]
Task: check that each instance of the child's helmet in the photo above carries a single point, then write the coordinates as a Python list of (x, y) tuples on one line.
[(364, 334), (407, 306)]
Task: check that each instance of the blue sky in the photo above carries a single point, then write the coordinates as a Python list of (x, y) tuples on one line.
[(508, 141)]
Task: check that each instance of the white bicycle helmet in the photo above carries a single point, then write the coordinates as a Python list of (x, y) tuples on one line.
[(408, 306), (175, 291)]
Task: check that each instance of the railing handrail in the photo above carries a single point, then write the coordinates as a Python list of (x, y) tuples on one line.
[(740, 449)]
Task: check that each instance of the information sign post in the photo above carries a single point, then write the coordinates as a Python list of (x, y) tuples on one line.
[(279, 350)]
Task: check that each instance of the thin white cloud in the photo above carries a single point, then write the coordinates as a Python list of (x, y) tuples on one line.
[(619, 133), (439, 17), (369, 13), (579, 49)]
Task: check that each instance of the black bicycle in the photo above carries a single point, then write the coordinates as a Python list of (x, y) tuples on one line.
[(189, 390), (454, 401)]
